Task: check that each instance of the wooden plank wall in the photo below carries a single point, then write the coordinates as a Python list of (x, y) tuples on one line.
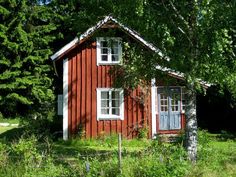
[(84, 78)]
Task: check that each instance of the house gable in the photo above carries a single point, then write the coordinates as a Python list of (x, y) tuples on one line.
[(107, 22)]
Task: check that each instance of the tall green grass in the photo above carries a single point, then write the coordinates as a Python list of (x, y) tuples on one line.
[(28, 156)]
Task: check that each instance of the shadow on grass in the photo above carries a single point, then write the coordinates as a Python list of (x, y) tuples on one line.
[(12, 134), (65, 151), (226, 136), (81, 151)]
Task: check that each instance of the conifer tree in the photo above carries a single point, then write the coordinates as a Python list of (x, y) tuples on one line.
[(25, 71)]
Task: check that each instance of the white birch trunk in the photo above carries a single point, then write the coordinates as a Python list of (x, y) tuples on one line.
[(191, 126)]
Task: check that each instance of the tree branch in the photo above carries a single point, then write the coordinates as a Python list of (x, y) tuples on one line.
[(179, 15), (182, 19)]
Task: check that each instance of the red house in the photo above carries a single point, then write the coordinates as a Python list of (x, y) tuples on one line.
[(92, 105)]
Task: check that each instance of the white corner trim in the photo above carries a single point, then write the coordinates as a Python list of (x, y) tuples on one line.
[(65, 99), (153, 96)]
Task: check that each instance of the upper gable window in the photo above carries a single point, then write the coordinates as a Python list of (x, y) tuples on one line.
[(109, 50)]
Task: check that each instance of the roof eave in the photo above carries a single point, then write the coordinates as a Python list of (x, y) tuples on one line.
[(180, 75)]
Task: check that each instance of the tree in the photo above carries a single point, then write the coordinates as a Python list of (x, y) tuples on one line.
[(25, 71)]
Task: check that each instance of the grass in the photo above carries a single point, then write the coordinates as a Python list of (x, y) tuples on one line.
[(70, 149), (10, 121), (216, 156)]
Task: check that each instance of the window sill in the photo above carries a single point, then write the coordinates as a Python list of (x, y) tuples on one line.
[(109, 118), (115, 63)]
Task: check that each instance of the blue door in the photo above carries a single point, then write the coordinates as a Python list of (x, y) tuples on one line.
[(169, 108)]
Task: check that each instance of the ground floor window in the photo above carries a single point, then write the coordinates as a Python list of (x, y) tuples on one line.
[(110, 104)]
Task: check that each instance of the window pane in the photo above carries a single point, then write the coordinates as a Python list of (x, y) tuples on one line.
[(164, 108), (163, 96), (105, 111), (114, 58), (115, 44), (104, 51), (105, 95), (115, 111), (115, 103), (104, 58), (162, 102), (104, 44), (166, 102), (114, 51), (104, 103), (115, 95)]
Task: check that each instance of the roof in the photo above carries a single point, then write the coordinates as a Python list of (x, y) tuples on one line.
[(99, 25), (180, 75)]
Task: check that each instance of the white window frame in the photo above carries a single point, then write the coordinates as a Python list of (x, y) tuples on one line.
[(110, 116), (183, 97), (109, 61)]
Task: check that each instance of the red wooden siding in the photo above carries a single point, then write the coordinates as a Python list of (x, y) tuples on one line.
[(84, 78)]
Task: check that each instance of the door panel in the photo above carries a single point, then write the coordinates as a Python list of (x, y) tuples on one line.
[(169, 108), (164, 120), (175, 122)]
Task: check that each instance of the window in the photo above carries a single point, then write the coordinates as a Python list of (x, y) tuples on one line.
[(110, 103), (109, 51)]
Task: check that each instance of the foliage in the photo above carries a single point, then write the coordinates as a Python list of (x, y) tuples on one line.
[(23, 158), (25, 74)]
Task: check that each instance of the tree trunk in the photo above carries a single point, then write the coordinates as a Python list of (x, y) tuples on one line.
[(191, 125)]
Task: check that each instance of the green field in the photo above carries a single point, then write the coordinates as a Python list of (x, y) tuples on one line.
[(216, 157)]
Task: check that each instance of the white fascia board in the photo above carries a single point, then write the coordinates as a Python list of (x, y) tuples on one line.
[(64, 49), (168, 70), (82, 36), (94, 28), (181, 75)]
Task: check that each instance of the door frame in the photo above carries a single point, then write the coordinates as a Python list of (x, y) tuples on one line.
[(155, 111)]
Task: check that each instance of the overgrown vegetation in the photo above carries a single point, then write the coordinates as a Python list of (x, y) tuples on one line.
[(27, 156)]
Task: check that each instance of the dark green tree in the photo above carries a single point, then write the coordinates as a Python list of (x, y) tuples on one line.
[(26, 33)]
